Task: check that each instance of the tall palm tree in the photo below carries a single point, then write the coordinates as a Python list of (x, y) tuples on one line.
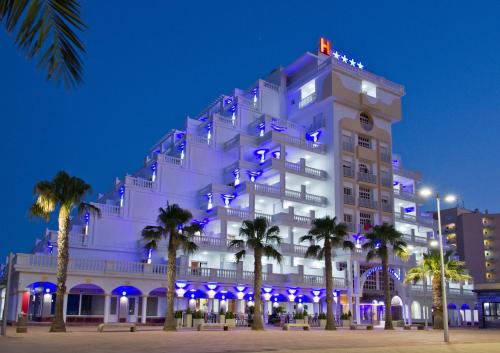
[(332, 235), (47, 29), (379, 243), (173, 225), (66, 193), (430, 266), (259, 236)]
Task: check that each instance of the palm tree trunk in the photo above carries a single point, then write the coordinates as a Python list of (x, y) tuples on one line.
[(387, 293), (330, 319), (170, 323), (257, 324), (58, 324), (437, 302)]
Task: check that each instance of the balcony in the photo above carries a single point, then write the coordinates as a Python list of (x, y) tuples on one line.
[(349, 200), (299, 168), (157, 272), (304, 102), (406, 173), (348, 146), (405, 195), (367, 178), (279, 137), (348, 172), (385, 157), (387, 207), (291, 195), (367, 203), (386, 181)]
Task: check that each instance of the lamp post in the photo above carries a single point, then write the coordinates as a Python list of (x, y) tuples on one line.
[(448, 198)]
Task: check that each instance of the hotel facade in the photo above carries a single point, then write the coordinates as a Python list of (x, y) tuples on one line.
[(309, 140)]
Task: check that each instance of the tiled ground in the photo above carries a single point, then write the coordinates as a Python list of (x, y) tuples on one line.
[(152, 340)]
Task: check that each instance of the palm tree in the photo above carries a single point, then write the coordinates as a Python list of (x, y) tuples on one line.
[(46, 28), (379, 242), (173, 225), (66, 193), (430, 266), (332, 235), (263, 239)]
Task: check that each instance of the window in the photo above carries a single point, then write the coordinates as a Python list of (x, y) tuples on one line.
[(365, 218), (348, 218), (366, 121), (152, 306), (368, 88), (363, 168), (365, 193), (131, 306), (385, 200), (114, 305), (364, 141), (73, 307), (308, 89), (348, 191), (491, 311)]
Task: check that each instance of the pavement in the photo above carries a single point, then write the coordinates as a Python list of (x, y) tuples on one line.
[(241, 340)]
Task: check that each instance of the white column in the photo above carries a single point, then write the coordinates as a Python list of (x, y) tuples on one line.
[(107, 307), (19, 304), (144, 308), (65, 306)]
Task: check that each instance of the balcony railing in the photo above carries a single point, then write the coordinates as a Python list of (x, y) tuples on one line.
[(407, 195), (386, 181), (348, 146), (367, 177), (348, 172), (367, 203), (349, 200), (385, 157), (304, 102), (387, 207), (128, 269)]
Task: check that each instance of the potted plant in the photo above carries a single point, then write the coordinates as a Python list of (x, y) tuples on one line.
[(322, 320), (222, 316), (230, 320), (346, 319), (306, 319), (178, 317), (299, 318), (198, 319), (189, 318)]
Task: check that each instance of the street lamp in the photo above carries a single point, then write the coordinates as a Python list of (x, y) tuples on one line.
[(426, 192)]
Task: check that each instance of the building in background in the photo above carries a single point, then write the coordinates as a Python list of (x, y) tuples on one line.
[(309, 140), (475, 238)]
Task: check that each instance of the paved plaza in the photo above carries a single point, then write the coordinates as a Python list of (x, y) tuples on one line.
[(152, 340)]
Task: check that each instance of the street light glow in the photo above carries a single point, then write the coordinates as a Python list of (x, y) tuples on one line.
[(425, 192), (450, 198), (434, 243)]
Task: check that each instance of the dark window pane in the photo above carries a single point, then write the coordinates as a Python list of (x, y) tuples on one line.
[(73, 304), (112, 310)]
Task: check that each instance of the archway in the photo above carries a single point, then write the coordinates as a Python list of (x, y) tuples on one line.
[(38, 301), (85, 303), (125, 304)]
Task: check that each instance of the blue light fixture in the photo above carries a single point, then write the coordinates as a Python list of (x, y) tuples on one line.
[(122, 195), (277, 127), (86, 221), (236, 174), (154, 167), (253, 176), (276, 154), (210, 199), (262, 128), (313, 136), (261, 154), (227, 199)]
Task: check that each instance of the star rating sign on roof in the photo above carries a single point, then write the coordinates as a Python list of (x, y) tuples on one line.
[(346, 60)]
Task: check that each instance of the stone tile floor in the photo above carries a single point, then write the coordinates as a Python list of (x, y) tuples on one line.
[(152, 340)]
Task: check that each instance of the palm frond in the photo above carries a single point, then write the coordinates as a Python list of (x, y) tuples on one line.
[(85, 207), (153, 233), (307, 237), (313, 251), (240, 255), (272, 252), (47, 29), (189, 247), (236, 244)]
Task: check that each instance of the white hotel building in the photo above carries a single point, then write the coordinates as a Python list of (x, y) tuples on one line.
[(308, 140)]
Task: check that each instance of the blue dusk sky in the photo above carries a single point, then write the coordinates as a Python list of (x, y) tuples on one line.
[(150, 64)]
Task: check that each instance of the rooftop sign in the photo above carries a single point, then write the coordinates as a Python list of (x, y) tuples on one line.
[(325, 48)]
